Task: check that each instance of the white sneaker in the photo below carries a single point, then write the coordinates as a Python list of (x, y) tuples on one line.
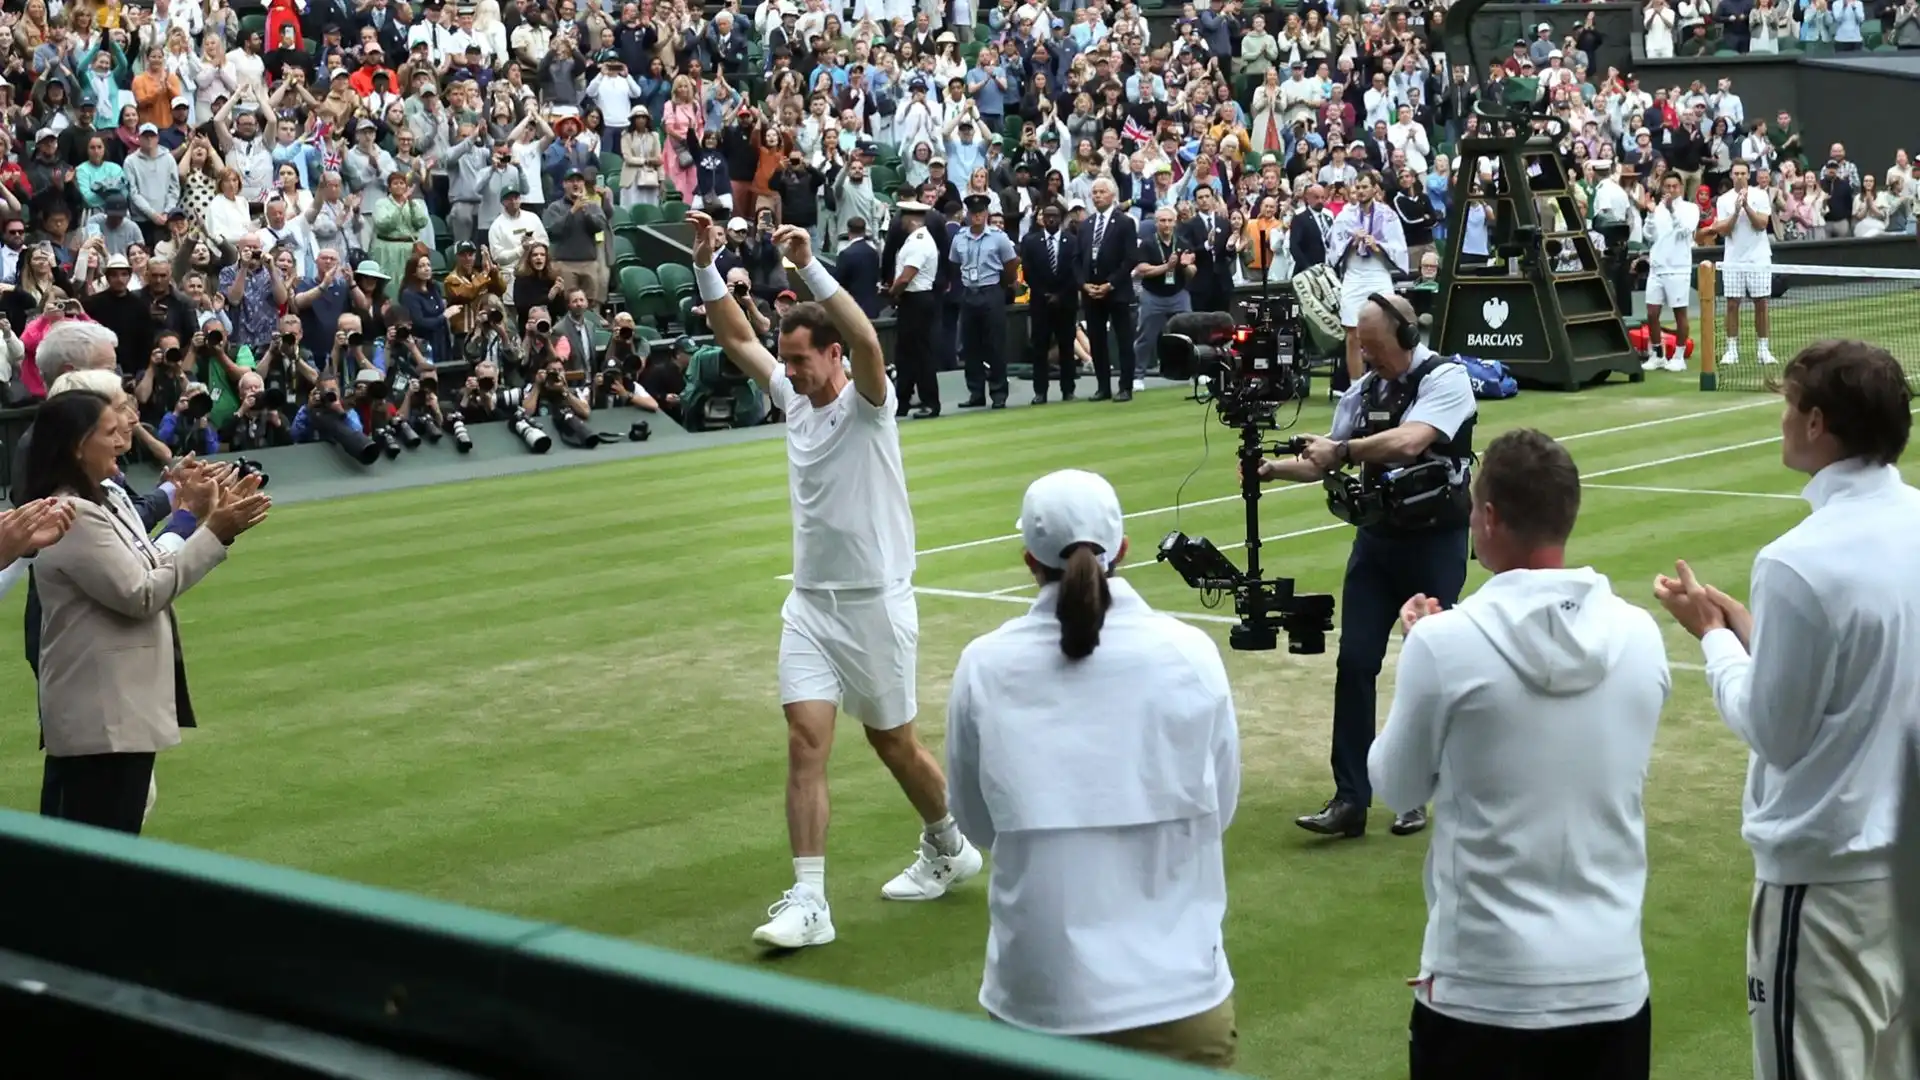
[(1654, 362), (1766, 355), (1139, 385), (800, 919), (1675, 363), (1729, 358), (932, 873)]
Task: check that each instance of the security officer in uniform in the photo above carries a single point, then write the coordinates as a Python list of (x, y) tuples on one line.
[(1412, 407), (986, 259), (916, 305)]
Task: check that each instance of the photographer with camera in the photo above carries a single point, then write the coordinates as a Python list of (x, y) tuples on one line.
[(286, 367), (255, 291), (664, 381), (494, 342), (260, 421), (549, 390), (1407, 425), (162, 380), (185, 429), (326, 418), (482, 399), (536, 343), (618, 381)]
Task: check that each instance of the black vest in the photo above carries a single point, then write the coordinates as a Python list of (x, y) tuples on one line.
[(1383, 403)]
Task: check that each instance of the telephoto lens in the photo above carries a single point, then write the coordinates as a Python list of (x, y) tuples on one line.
[(335, 430), (537, 440), (457, 424), (426, 426), (390, 443), (409, 437), (245, 467)]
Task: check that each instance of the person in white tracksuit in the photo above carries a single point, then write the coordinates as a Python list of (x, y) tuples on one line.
[(1526, 715), (1821, 679)]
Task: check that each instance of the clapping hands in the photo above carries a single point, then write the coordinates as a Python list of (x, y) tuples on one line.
[(1700, 608), (222, 500), (32, 527), (1418, 607)]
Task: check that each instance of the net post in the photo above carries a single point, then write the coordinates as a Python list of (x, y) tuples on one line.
[(1708, 288)]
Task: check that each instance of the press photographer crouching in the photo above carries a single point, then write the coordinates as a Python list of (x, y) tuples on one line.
[(187, 429), (620, 377), (260, 421), (565, 406), (1407, 424), (326, 418)]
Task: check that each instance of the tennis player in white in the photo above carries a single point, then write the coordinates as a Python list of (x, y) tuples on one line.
[(1821, 679), (851, 630), (1669, 232), (1744, 216), (1368, 247)]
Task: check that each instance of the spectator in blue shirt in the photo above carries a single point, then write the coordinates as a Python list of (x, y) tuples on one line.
[(327, 390), (186, 428), (1849, 18), (988, 86)]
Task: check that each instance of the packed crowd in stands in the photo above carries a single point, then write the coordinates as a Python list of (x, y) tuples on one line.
[(328, 206)]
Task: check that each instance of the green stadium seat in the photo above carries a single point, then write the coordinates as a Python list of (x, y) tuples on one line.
[(439, 262), (637, 284), (1873, 38), (885, 178), (624, 254), (600, 339), (689, 322), (646, 333), (610, 164), (673, 213), (252, 24), (644, 214), (442, 232), (676, 280)]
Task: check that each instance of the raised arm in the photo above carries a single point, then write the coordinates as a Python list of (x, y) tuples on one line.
[(863, 342), (729, 323)]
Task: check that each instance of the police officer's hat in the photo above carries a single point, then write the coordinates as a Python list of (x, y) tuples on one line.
[(978, 204)]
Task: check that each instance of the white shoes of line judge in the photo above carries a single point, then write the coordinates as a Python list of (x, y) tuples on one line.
[(802, 917)]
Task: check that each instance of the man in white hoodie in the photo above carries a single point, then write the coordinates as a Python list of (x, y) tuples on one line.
[(1526, 715), (1822, 681)]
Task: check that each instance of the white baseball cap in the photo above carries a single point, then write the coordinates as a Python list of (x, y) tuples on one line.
[(1071, 507)]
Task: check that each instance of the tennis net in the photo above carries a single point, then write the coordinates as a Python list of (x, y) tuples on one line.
[(1808, 304)]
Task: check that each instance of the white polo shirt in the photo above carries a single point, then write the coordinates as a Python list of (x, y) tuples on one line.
[(1746, 245), (852, 525), (1102, 786), (920, 253), (1670, 232)]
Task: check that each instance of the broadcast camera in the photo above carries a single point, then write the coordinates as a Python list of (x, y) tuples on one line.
[(1250, 371)]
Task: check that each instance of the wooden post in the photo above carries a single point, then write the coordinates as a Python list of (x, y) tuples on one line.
[(1707, 340)]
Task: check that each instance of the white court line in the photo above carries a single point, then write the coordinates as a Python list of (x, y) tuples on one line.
[(1188, 616), (1677, 458), (1691, 491), (1637, 426)]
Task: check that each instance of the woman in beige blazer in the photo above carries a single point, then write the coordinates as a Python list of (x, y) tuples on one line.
[(111, 678)]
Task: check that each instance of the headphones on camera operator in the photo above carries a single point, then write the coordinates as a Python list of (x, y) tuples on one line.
[(1432, 492)]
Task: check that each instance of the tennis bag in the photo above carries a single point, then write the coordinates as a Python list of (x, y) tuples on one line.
[(1318, 290), (1490, 378)]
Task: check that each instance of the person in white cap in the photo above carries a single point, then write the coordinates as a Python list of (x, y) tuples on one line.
[(850, 636), (1093, 739)]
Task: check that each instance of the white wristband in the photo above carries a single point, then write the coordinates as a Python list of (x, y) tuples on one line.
[(713, 287), (819, 281)]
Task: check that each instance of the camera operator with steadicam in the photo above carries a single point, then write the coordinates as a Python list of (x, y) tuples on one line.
[(1407, 426)]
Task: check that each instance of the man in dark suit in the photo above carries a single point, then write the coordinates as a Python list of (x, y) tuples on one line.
[(1107, 242), (1307, 238), (857, 268), (1051, 257), (1207, 233)]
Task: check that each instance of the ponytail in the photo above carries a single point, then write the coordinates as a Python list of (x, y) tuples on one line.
[(1084, 599)]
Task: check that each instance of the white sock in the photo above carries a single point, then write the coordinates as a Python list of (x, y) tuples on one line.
[(1763, 345), (944, 835), (811, 871)]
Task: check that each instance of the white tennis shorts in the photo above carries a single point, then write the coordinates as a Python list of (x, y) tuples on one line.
[(1746, 282), (1354, 290), (858, 648), (1668, 289), (1825, 993)]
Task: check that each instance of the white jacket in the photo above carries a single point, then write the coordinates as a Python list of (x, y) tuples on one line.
[(1102, 787), (1832, 690), (1526, 715)]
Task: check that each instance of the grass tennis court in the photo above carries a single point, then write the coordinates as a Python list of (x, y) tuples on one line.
[(554, 695)]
